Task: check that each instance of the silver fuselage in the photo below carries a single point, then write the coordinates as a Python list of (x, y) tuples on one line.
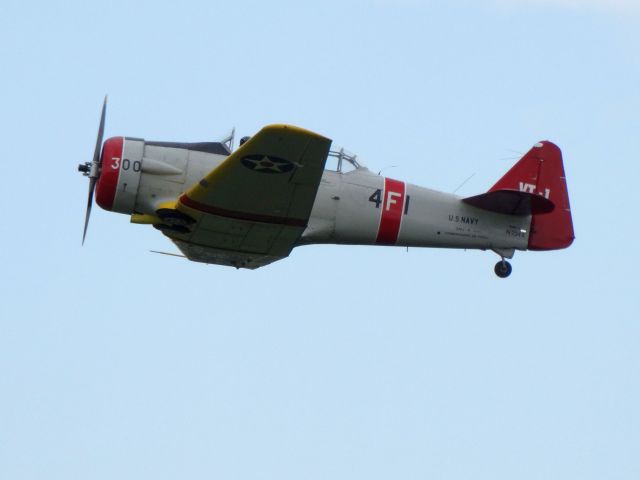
[(344, 211), (344, 214)]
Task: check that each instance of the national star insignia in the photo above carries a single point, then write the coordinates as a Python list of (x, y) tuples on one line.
[(266, 164)]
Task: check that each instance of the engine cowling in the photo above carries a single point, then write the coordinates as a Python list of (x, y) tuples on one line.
[(139, 177), (121, 167)]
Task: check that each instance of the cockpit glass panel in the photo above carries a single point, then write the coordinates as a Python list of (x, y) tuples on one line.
[(332, 163), (342, 161)]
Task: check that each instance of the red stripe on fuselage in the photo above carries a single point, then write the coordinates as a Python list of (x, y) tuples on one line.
[(109, 172), (392, 209)]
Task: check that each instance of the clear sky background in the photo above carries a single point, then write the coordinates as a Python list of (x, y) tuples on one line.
[(338, 362)]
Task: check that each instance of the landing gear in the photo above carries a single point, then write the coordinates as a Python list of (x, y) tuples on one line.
[(502, 268), (174, 217), (173, 221), (181, 229)]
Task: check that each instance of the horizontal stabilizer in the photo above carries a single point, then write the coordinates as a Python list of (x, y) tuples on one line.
[(511, 202)]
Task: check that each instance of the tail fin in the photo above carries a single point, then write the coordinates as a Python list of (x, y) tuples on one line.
[(541, 172)]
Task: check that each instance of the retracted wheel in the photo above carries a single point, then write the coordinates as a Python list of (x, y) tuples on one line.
[(502, 269), (171, 228), (174, 217)]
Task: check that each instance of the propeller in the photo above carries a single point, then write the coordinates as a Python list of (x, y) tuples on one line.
[(92, 169)]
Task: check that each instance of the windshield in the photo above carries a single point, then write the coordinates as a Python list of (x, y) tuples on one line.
[(342, 161)]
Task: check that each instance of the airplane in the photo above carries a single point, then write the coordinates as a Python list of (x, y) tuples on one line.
[(249, 207)]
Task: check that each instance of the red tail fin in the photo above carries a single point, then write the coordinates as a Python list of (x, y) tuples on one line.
[(541, 171)]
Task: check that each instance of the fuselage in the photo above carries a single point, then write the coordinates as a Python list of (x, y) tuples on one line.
[(356, 207), (362, 208)]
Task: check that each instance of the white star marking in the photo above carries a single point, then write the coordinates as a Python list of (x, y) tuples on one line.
[(267, 164)]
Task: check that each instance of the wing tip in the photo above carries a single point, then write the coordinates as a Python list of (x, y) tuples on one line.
[(282, 127)]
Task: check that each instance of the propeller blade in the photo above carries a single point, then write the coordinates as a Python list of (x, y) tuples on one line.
[(96, 152), (94, 169), (92, 186)]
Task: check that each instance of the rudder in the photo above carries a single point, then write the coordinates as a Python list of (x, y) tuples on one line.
[(541, 172)]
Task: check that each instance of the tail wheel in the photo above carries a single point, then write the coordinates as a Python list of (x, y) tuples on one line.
[(502, 269)]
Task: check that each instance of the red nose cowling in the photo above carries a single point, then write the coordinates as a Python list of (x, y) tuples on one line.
[(111, 161)]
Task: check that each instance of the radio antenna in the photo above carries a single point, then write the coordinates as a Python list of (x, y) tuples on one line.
[(463, 183)]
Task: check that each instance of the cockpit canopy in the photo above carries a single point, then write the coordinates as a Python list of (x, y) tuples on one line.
[(342, 162)]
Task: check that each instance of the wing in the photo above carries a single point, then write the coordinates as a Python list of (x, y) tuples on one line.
[(252, 209)]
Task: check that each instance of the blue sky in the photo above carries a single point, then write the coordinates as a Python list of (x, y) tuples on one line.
[(338, 362)]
